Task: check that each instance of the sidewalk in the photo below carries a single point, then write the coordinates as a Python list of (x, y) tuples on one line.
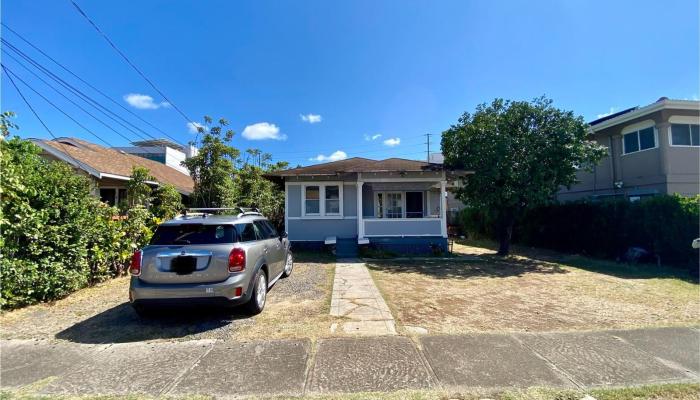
[(379, 363)]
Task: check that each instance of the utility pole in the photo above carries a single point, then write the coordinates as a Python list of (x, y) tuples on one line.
[(427, 142)]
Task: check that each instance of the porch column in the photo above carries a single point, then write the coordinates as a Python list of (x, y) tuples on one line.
[(360, 223), (443, 208)]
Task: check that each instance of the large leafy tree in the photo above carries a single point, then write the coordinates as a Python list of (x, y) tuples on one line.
[(521, 152), (213, 169), (254, 190)]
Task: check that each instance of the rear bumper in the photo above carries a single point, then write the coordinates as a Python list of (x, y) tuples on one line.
[(220, 293)]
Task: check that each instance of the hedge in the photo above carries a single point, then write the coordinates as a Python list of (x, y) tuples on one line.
[(55, 236), (664, 225)]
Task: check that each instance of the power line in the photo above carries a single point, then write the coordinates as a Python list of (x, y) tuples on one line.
[(37, 115), (71, 101), (77, 92), (103, 94), (10, 73), (81, 12)]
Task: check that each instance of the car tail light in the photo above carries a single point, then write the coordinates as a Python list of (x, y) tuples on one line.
[(238, 292), (135, 268), (236, 260)]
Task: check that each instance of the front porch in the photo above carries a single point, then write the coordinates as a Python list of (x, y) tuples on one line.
[(401, 206)]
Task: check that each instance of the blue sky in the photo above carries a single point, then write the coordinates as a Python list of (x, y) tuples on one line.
[(398, 69)]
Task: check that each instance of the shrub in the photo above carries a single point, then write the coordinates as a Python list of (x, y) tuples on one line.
[(56, 237), (664, 225)]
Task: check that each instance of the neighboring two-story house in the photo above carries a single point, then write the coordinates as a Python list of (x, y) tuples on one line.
[(651, 150)]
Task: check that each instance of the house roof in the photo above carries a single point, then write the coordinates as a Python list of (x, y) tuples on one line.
[(635, 112), (359, 164), (103, 162)]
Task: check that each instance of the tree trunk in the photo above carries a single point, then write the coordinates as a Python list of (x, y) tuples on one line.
[(505, 231)]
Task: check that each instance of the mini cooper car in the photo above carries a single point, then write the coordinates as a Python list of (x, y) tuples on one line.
[(224, 260)]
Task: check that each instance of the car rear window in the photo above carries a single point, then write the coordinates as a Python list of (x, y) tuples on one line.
[(193, 234)]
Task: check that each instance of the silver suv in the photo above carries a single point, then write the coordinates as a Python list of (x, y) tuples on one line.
[(213, 259)]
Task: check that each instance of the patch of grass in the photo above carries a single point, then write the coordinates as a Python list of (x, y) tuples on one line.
[(532, 291), (307, 256), (683, 391), (653, 392)]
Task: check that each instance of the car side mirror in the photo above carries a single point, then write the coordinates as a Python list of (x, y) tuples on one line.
[(283, 235)]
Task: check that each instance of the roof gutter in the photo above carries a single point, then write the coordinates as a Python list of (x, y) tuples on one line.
[(659, 105)]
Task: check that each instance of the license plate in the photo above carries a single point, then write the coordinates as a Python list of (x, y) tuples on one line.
[(183, 265)]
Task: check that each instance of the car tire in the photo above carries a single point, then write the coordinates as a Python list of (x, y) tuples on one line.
[(288, 265), (258, 298)]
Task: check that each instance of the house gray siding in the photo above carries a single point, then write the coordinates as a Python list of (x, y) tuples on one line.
[(350, 200), (662, 170), (320, 229), (294, 201)]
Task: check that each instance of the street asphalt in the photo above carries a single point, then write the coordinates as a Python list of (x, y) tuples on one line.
[(379, 363)]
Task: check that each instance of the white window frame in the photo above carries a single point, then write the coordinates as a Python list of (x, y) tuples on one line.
[(386, 203), (322, 200), (670, 134), (635, 129)]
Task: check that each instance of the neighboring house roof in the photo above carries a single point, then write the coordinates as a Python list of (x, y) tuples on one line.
[(359, 164), (103, 162), (635, 112)]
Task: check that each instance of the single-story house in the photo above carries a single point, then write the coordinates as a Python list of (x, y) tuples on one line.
[(395, 204), (110, 168)]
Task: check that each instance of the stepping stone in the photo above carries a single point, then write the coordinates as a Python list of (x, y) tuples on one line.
[(386, 363), (357, 299)]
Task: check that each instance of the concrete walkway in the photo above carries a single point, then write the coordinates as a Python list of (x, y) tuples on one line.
[(356, 298), (380, 363)]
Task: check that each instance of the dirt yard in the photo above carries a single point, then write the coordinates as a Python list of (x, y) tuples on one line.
[(483, 292), (297, 307)]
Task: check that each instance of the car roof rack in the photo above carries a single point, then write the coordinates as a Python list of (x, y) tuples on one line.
[(204, 211)]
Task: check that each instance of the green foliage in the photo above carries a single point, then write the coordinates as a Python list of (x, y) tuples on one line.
[(6, 124), (212, 169), (664, 225), (138, 190), (57, 237), (521, 152), (254, 190), (166, 202)]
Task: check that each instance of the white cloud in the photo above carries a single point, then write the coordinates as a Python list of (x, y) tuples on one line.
[(311, 118), (391, 142), (144, 101), (373, 137), (193, 127), (263, 131), (612, 110), (336, 156)]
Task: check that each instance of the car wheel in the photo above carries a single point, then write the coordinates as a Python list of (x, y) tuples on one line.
[(257, 301), (288, 265)]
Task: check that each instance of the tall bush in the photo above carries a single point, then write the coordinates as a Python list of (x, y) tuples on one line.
[(55, 236), (664, 225)]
